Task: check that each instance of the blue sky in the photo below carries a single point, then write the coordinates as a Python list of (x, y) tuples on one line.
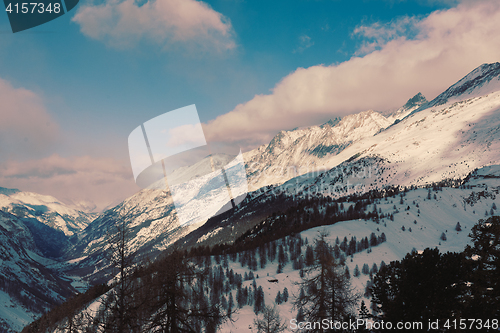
[(93, 76)]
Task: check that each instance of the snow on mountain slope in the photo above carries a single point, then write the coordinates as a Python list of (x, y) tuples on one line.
[(157, 218), (153, 225), (27, 287), (446, 141), (445, 138), (418, 221), (437, 143), (299, 151), (46, 209), (424, 223), (150, 213)]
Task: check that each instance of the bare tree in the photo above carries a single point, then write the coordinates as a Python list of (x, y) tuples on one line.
[(178, 302), (119, 307), (270, 322), (326, 292)]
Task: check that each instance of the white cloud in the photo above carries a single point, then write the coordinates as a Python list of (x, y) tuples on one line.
[(444, 47), (189, 134), (26, 128), (123, 23)]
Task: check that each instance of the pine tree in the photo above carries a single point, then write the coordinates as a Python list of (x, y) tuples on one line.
[(284, 295), (262, 256), (309, 256), (258, 304), (178, 301), (364, 313), (282, 257), (239, 297), (300, 315), (356, 271), (401, 290), (230, 305), (484, 257), (277, 300)]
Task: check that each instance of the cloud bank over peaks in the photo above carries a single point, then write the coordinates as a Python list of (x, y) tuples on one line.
[(426, 54)]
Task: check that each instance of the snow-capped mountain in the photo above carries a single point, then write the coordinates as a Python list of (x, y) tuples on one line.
[(27, 287), (434, 144), (444, 141), (150, 217), (45, 209), (151, 213), (355, 154), (300, 151), (292, 153), (155, 217)]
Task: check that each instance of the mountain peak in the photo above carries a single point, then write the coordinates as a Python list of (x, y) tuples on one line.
[(8, 191), (331, 122), (416, 100), (483, 80)]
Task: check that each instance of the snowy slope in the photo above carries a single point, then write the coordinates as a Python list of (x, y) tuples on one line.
[(438, 143), (424, 219), (445, 138), (436, 216), (27, 287), (299, 151), (46, 209)]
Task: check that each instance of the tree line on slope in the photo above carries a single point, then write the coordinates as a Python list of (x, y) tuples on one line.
[(195, 294)]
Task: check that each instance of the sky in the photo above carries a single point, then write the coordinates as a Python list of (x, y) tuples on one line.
[(73, 89)]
